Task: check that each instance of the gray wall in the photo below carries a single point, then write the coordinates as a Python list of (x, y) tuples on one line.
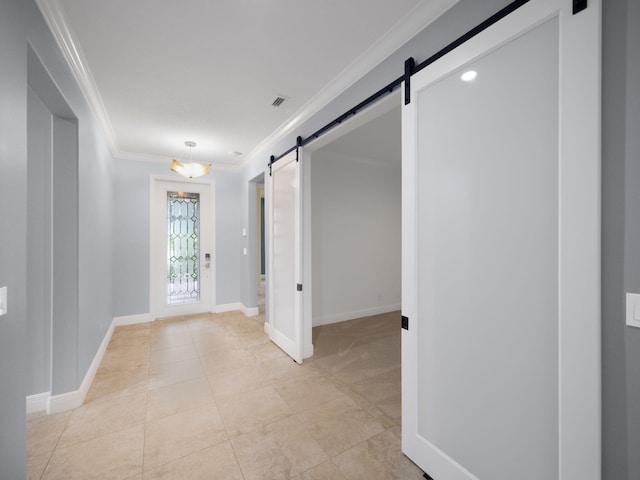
[(88, 222), (39, 244), (82, 212), (356, 236), (632, 233), (131, 234), (97, 303), (14, 19), (620, 237)]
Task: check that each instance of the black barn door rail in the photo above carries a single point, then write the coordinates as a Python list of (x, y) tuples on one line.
[(410, 69)]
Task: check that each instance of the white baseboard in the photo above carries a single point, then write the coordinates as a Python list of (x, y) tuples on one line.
[(132, 319), (232, 307), (227, 307), (70, 400), (250, 311), (344, 316), (38, 402)]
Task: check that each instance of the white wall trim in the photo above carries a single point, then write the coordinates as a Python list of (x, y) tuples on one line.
[(55, 18), (406, 28), (38, 402), (232, 307), (227, 307), (250, 311), (132, 319), (344, 316), (74, 399)]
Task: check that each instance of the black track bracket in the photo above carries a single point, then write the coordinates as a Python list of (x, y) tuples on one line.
[(579, 5), (298, 146), (409, 67)]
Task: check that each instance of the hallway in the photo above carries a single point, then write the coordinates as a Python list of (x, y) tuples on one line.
[(209, 396)]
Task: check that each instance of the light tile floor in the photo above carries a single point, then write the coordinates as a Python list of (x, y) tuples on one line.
[(210, 397)]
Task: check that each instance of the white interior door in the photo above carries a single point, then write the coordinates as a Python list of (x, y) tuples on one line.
[(500, 362), (284, 325), (181, 248)]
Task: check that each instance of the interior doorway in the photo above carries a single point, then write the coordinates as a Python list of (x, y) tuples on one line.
[(260, 246), (354, 204), (355, 211)]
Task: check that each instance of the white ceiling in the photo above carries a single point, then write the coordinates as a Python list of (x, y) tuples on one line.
[(159, 72)]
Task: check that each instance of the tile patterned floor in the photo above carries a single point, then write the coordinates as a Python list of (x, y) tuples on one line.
[(210, 397)]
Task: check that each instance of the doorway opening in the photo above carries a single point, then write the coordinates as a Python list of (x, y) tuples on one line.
[(354, 203), (260, 246), (257, 245)]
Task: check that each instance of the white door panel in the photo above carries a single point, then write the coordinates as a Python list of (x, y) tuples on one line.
[(284, 324), (497, 211)]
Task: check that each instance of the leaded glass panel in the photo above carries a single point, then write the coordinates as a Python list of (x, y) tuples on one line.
[(183, 250)]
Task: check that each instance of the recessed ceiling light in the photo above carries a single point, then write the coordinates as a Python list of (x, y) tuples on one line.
[(235, 154), (468, 76)]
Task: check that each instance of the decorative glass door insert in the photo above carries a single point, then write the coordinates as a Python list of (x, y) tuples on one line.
[(183, 248)]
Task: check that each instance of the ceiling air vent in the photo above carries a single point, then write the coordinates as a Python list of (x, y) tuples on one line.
[(278, 101)]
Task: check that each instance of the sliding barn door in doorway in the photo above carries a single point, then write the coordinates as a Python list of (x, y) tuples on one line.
[(500, 361), (284, 324)]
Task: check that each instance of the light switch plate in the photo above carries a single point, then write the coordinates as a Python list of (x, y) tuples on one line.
[(3, 301), (633, 309)]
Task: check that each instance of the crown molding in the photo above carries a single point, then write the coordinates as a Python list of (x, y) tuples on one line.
[(58, 24), (405, 29)]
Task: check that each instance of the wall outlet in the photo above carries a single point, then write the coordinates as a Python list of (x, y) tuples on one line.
[(3, 301), (633, 309)]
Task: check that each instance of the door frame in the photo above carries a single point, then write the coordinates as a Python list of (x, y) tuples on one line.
[(373, 111), (579, 386), (155, 270)]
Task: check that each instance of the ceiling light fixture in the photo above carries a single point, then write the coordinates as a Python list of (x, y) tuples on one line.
[(469, 75), (190, 169)]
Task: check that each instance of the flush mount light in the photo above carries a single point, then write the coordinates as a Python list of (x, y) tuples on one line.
[(190, 169), (468, 75)]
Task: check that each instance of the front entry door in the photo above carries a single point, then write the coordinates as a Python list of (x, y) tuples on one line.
[(181, 248), (500, 361)]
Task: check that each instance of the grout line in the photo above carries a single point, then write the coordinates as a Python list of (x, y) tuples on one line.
[(226, 321), (146, 408)]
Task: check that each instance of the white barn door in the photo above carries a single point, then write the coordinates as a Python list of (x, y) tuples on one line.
[(500, 361), (284, 325)]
